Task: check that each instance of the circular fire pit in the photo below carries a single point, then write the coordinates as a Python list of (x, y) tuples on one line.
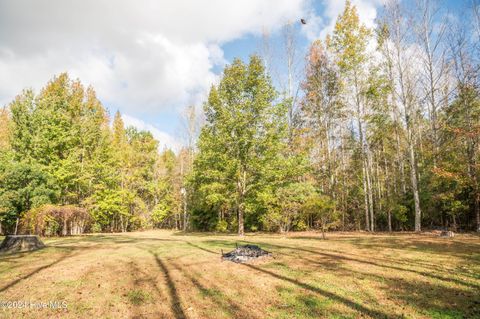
[(245, 253)]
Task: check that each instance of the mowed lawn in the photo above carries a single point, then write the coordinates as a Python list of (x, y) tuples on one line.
[(163, 274)]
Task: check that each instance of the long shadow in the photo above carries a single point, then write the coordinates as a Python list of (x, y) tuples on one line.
[(228, 305), (409, 263), (461, 249), (204, 249), (425, 296), (16, 281), (372, 263), (146, 280), (406, 290), (203, 234), (175, 300), (346, 258), (448, 293), (351, 304), (464, 248), (100, 239)]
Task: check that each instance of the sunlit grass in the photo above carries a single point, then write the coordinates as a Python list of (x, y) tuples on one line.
[(163, 274)]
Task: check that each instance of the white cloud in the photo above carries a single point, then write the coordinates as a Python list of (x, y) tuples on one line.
[(165, 140), (141, 56), (321, 26)]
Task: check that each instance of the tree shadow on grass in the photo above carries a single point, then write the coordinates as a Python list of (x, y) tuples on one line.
[(91, 239), (409, 262), (369, 262), (462, 249), (69, 254), (203, 234), (347, 302), (214, 294), (429, 298), (204, 249), (176, 305), (432, 299), (141, 279)]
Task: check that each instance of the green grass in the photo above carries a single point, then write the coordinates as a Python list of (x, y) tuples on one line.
[(138, 297), (163, 274)]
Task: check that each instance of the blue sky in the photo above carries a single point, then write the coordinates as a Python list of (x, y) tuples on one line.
[(148, 58)]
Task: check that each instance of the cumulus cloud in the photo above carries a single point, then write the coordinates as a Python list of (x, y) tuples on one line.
[(165, 140), (324, 24), (141, 56)]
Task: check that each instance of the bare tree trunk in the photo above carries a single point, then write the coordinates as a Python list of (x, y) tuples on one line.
[(416, 197), (65, 227), (476, 191), (344, 184), (370, 191), (241, 230), (400, 164), (241, 189), (396, 118), (16, 225), (389, 221), (366, 156), (365, 195), (290, 45), (266, 51), (477, 208), (433, 61), (388, 192), (184, 216), (406, 93)]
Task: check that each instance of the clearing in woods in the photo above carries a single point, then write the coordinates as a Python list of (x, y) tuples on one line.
[(163, 274)]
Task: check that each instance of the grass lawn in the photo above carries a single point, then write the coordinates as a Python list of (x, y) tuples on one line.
[(163, 274)]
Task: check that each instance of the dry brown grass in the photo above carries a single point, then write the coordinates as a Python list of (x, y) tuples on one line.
[(162, 274)]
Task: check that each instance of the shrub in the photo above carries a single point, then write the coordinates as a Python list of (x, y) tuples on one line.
[(322, 208), (96, 228), (222, 226), (51, 220)]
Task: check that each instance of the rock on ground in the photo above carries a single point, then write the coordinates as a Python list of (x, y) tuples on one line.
[(19, 243)]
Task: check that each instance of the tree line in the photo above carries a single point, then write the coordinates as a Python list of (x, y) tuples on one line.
[(384, 136), (59, 147)]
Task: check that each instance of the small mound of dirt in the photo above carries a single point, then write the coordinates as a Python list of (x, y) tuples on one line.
[(19, 243), (245, 253)]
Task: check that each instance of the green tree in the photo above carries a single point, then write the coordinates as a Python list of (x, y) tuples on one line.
[(285, 207), (241, 139), (349, 46), (322, 208), (23, 186)]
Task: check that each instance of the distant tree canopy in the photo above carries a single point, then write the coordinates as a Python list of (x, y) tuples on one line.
[(58, 148), (384, 135)]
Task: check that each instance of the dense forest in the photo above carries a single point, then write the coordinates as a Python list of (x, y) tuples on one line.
[(384, 135)]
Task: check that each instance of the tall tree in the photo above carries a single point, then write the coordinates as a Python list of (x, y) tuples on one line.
[(242, 128), (349, 45), (324, 119), (397, 26)]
